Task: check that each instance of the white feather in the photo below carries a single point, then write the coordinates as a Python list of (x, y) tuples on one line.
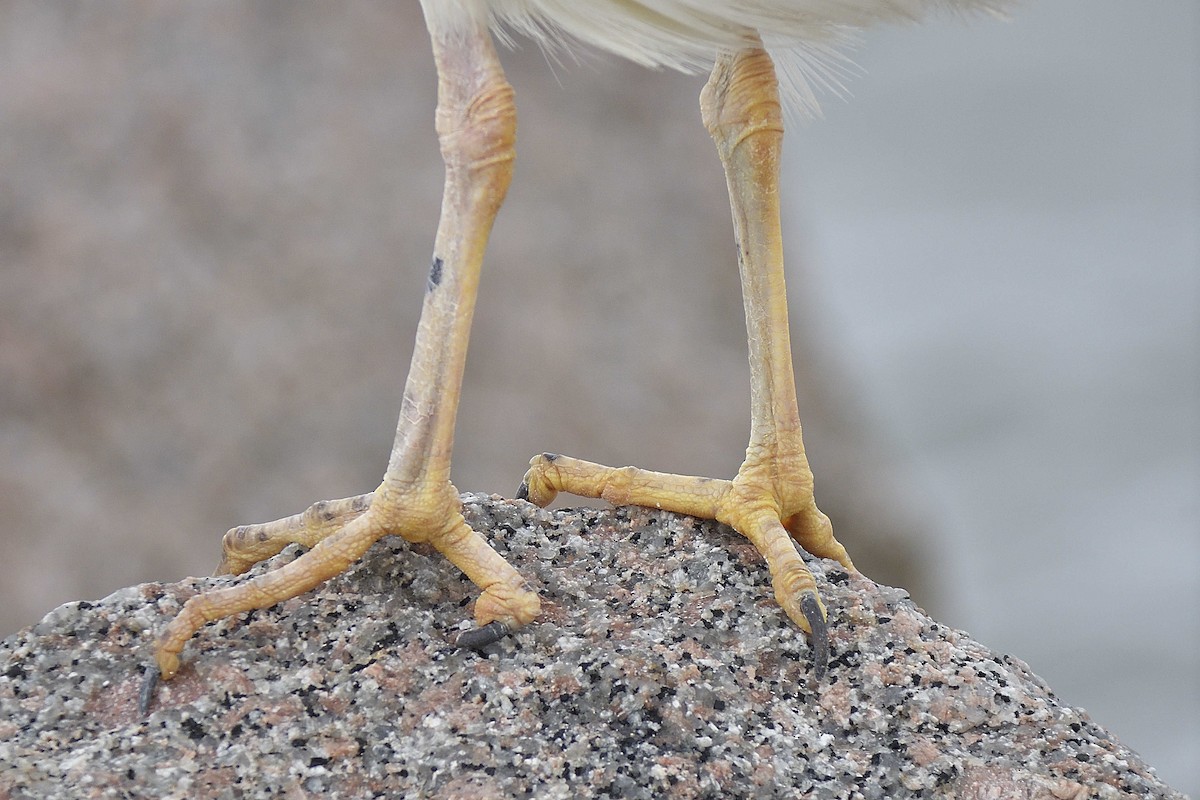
[(804, 36)]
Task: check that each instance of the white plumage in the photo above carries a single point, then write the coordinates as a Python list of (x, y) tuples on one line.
[(803, 35)]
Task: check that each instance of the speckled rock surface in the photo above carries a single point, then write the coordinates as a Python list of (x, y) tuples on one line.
[(661, 667)]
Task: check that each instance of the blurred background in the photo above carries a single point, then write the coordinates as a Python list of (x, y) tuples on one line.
[(215, 225)]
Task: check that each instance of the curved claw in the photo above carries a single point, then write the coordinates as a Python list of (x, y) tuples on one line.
[(811, 607), (146, 695), (536, 487), (479, 638)]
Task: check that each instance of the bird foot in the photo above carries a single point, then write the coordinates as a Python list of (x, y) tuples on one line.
[(770, 502), (338, 532)]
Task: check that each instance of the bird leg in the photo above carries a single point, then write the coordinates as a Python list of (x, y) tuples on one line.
[(770, 501), (476, 124)]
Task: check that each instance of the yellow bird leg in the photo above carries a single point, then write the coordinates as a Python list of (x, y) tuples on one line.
[(476, 124), (770, 501)]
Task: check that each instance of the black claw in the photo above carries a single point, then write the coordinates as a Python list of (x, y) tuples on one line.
[(820, 633), (146, 696), (479, 638), (523, 491)]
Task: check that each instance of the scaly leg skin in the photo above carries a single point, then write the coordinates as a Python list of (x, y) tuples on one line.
[(770, 502), (246, 545), (476, 124)]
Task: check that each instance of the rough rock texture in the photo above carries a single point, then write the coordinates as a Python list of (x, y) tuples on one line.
[(661, 667)]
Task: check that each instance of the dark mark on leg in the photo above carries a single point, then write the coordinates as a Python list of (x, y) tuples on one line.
[(435, 274)]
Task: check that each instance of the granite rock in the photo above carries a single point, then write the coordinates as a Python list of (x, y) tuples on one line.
[(661, 667)]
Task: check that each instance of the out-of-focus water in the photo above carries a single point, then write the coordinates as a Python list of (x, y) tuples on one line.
[(1001, 241)]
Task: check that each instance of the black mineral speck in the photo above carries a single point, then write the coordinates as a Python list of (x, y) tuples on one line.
[(193, 729)]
